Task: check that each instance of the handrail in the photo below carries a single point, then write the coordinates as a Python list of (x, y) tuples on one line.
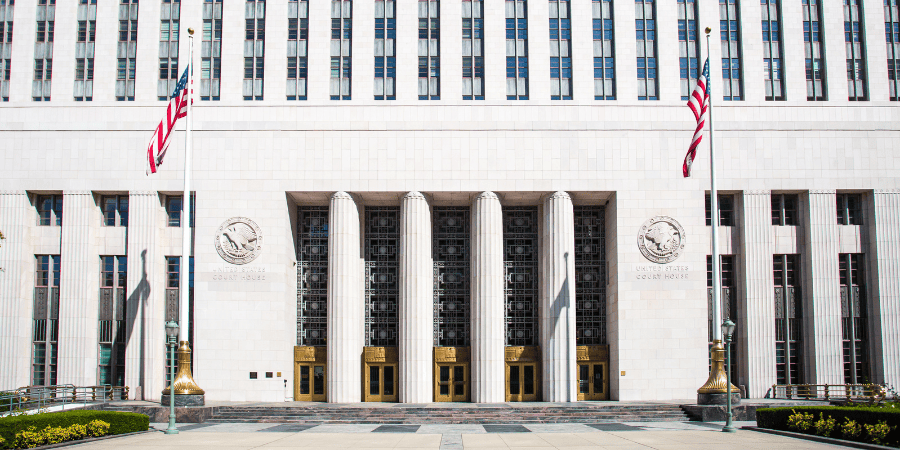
[(39, 397), (829, 392)]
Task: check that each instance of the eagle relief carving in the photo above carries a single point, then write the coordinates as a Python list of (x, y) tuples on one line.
[(661, 239), (238, 240)]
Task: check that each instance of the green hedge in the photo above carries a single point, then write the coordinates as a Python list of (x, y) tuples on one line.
[(777, 418), (120, 422)]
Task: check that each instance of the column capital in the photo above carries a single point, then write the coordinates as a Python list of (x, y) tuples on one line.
[(486, 195), (414, 195)]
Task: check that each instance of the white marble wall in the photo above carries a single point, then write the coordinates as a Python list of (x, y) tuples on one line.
[(487, 308), (884, 294), (416, 312), (16, 288)]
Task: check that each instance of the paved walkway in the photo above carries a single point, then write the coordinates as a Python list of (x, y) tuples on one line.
[(618, 436)]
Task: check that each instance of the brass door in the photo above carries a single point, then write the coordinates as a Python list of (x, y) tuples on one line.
[(309, 382), (381, 382), (522, 381), (593, 383), (451, 382)]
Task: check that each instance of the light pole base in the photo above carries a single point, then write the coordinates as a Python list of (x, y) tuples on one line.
[(729, 429), (717, 399), (183, 400), (172, 431)]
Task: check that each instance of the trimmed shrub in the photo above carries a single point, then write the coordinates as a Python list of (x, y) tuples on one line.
[(876, 424), (95, 423)]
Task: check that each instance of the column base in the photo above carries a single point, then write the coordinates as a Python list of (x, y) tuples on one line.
[(183, 400), (718, 399)]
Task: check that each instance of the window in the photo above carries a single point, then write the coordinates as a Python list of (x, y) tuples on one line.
[(43, 50), (772, 51), (855, 39), (892, 38), (115, 210), (6, 35), (382, 289), (385, 50), (730, 33), (85, 38), (473, 49), (451, 247), (298, 34), (516, 50), (173, 278), (341, 40), (254, 49), (111, 353), (590, 275), (211, 60), (126, 51), (849, 209), (174, 207), (784, 209), (169, 14), (854, 318), (429, 50), (45, 331), (688, 46), (726, 210), (312, 285), (560, 50), (50, 209), (604, 54), (814, 47), (788, 319), (728, 305), (645, 29)]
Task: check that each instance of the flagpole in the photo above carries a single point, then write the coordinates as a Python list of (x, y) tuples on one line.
[(184, 299)]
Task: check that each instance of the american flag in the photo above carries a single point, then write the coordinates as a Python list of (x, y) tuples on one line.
[(177, 109), (699, 104)]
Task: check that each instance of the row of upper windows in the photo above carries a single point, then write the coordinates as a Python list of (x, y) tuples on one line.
[(785, 209), (113, 210)]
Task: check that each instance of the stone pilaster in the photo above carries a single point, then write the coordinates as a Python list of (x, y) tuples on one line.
[(884, 300), (821, 287), (416, 300), (756, 335), (16, 288), (488, 365), (557, 307), (78, 290), (346, 307)]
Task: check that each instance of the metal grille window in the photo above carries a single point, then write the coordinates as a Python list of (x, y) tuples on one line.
[(85, 38), (385, 47), (772, 51), (173, 284), (604, 55), (520, 257), (784, 209), (645, 30), (169, 13), (254, 49), (473, 49), (855, 39), (341, 40), (43, 50), (788, 320), (590, 275), (452, 293), (892, 36), (111, 358), (6, 35), (211, 51), (174, 208), (726, 210), (728, 297), (45, 332), (382, 275), (516, 50), (429, 50), (49, 209), (849, 209), (730, 35), (560, 50), (688, 46), (126, 51), (854, 323), (814, 50), (115, 210), (297, 46), (312, 276)]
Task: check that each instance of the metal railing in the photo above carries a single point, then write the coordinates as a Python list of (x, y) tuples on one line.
[(829, 392), (39, 397)]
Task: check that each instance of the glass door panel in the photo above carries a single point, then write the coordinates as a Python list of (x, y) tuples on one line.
[(309, 382), (381, 382), (592, 381), (522, 382)]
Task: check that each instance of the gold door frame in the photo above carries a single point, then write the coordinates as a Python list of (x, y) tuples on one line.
[(452, 356), (593, 355), (380, 357), (311, 357), (522, 356)]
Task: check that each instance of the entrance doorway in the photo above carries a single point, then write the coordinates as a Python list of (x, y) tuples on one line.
[(380, 374), (309, 374), (451, 374), (523, 380), (593, 372)]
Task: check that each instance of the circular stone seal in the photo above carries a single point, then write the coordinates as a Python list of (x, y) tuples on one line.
[(238, 240), (661, 239)]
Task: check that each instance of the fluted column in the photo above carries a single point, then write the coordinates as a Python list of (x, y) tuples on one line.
[(884, 249), (346, 308), (488, 341), (757, 333), (416, 300), (16, 288), (78, 291), (558, 298), (821, 282)]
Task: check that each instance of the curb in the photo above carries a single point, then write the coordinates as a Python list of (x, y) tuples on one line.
[(825, 440), (85, 441)]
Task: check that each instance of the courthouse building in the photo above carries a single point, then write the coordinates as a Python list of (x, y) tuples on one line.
[(449, 200)]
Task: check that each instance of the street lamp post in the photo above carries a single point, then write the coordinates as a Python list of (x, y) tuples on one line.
[(171, 340), (727, 331)]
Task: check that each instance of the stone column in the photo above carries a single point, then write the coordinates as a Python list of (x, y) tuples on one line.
[(757, 334), (145, 340), (416, 300), (884, 261), (78, 291), (346, 308), (821, 284), (557, 310), (488, 331), (16, 288)]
